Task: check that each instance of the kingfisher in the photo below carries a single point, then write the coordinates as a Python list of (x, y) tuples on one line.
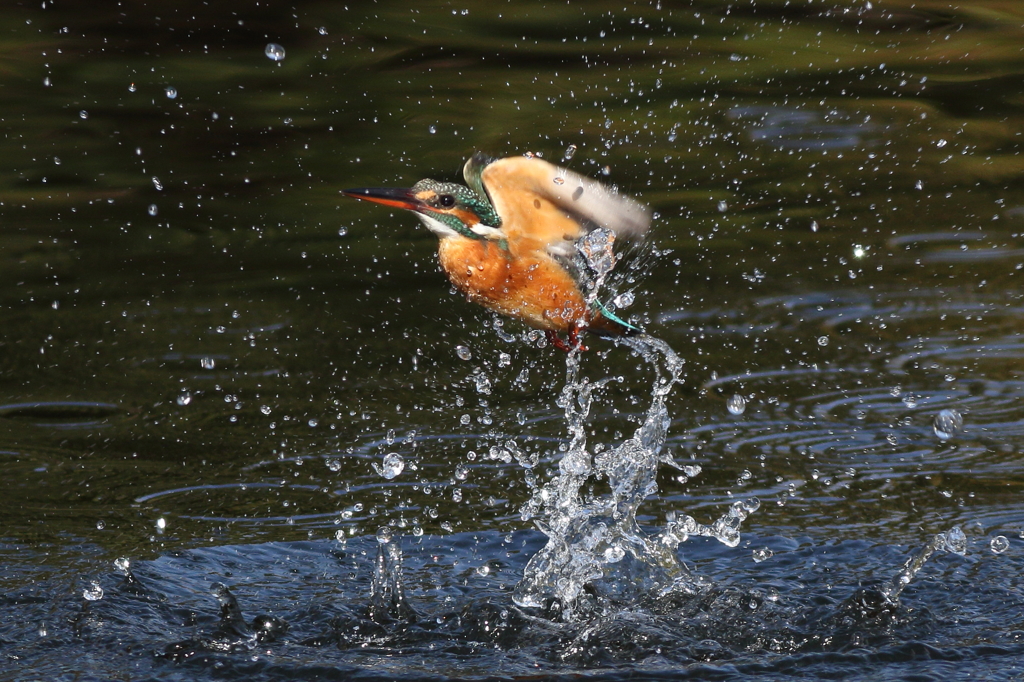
[(512, 239)]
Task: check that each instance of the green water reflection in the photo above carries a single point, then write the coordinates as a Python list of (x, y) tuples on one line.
[(196, 326)]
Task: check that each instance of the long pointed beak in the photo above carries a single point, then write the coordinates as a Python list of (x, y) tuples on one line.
[(389, 196)]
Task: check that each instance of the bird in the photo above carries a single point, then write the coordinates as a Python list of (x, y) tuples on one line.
[(510, 239)]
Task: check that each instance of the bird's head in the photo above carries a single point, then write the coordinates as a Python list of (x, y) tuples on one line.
[(448, 209)]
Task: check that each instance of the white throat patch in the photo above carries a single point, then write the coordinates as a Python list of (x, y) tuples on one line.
[(436, 226)]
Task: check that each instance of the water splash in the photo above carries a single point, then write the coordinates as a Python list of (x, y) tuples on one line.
[(596, 551), (953, 540)]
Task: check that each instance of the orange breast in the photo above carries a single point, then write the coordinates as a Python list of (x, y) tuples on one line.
[(531, 287)]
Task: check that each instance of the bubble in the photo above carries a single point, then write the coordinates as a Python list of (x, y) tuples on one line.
[(93, 592), (132, 88), (723, 206), (342, 231), (207, 363), (156, 183), (385, 535), (762, 555), (152, 210), (83, 114), (171, 92), (736, 404), (100, 525), (393, 466), (46, 82), (265, 409), (947, 423), (184, 398), (457, 495), (569, 152), (999, 544), (274, 52), (334, 465), (123, 564), (559, 180), (822, 340), (161, 524), (910, 400), (322, 30), (432, 130), (463, 353), (941, 143), (814, 226), (461, 472), (919, 185)]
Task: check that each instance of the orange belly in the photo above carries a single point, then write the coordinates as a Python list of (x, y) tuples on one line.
[(531, 287)]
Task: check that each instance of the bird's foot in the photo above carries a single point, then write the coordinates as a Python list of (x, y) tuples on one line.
[(574, 340)]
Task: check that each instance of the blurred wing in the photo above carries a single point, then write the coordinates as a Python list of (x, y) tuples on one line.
[(546, 207)]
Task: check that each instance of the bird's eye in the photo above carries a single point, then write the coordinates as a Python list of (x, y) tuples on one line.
[(446, 200)]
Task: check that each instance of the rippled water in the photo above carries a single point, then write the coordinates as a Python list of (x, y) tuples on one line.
[(210, 361)]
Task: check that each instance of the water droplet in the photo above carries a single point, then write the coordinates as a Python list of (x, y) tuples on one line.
[(207, 363), (999, 544), (910, 401), (184, 398), (814, 226), (614, 554), (157, 184), (919, 185), (954, 540), (152, 210), (342, 231), (312, 423), (393, 465), (161, 524), (762, 555), (457, 495), (93, 592), (624, 300), (570, 152), (171, 92), (941, 143), (723, 207), (432, 130), (736, 404), (46, 82), (822, 340), (322, 30), (265, 409), (83, 114), (56, 160), (463, 353), (123, 564), (132, 88), (859, 251), (504, 359), (947, 424), (558, 180), (385, 535), (461, 472), (274, 52)]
